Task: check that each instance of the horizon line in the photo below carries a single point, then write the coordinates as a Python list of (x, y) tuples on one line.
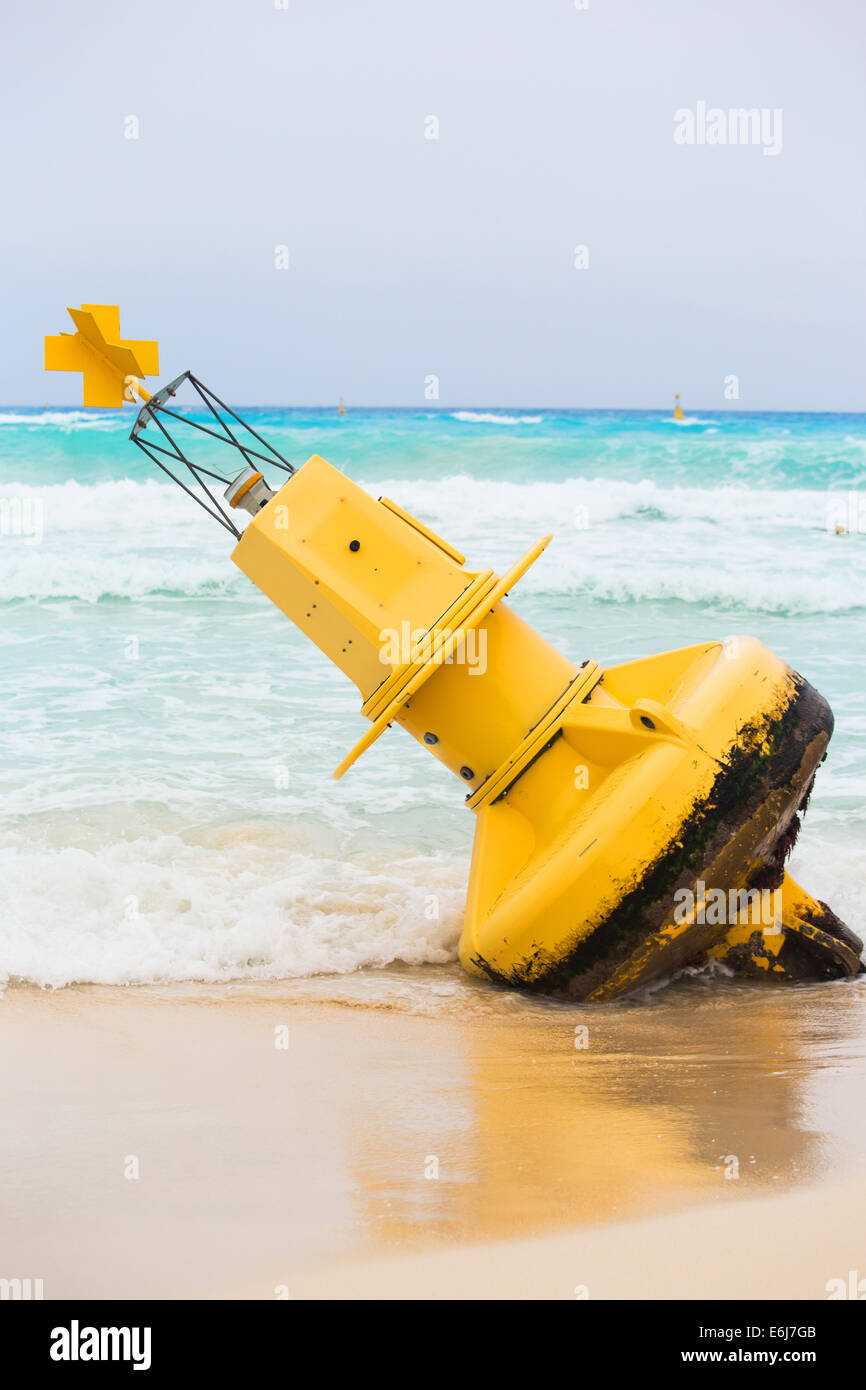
[(430, 408)]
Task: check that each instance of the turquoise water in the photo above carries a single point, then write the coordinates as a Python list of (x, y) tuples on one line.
[(148, 836)]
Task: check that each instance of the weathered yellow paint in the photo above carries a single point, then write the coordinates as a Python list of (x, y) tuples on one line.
[(798, 917)]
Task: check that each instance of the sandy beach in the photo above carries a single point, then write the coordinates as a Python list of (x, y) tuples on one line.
[(401, 1134)]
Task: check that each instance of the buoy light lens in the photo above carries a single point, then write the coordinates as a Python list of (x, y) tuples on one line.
[(248, 490)]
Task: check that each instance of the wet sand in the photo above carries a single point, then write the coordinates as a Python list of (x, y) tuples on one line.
[(423, 1137)]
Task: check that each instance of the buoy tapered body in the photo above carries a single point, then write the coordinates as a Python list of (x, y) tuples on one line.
[(604, 798)]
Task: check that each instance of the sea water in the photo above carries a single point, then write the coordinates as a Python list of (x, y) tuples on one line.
[(168, 811)]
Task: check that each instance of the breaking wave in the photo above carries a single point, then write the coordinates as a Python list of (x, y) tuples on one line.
[(240, 904), (485, 417), (770, 550)]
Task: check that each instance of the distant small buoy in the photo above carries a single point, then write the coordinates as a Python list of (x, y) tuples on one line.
[(678, 410), (841, 530), (342, 409)]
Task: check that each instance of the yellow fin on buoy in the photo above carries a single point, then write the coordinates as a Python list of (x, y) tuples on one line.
[(678, 410), (107, 361)]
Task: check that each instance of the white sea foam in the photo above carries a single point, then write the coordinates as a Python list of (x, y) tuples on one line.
[(244, 905), (487, 501), (770, 550), (482, 417), (142, 508), (28, 573), (762, 588), (137, 509), (68, 419)]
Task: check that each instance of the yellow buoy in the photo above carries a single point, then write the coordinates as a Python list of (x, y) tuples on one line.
[(629, 819), (678, 410)]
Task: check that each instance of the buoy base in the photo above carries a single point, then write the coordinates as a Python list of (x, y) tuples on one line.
[(593, 892)]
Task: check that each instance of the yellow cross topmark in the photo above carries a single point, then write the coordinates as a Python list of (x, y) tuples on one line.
[(98, 351)]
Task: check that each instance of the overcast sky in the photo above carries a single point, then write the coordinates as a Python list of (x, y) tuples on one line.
[(306, 127)]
